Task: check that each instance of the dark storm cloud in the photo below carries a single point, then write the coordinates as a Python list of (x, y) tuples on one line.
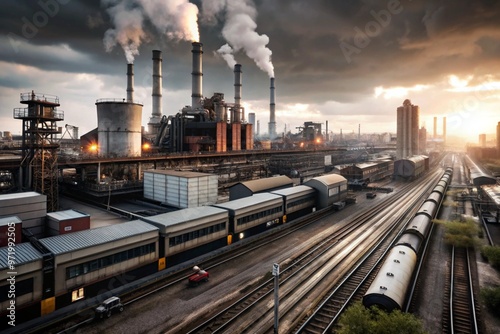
[(423, 42)]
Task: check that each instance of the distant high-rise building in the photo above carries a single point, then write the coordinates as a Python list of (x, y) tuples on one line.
[(482, 140), (498, 139), (251, 120), (422, 140), (407, 130), (435, 128), (444, 130)]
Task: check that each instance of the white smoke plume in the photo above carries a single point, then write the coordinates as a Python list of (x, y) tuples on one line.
[(177, 19), (240, 30), (226, 52), (128, 31)]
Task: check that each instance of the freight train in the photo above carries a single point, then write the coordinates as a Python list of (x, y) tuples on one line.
[(389, 289), (62, 270)]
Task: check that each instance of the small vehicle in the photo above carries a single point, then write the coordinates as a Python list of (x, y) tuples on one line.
[(198, 277), (337, 206), (108, 306), (371, 195)]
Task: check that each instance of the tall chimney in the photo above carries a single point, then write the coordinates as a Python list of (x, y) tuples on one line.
[(327, 137), (130, 82), (272, 116), (157, 86), (237, 84), (196, 76)]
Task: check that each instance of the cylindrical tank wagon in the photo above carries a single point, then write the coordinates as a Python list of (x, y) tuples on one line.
[(389, 288)]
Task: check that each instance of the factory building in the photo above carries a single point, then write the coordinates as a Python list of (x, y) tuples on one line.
[(208, 124), (407, 130), (498, 139)]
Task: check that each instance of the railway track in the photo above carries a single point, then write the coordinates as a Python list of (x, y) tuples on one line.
[(353, 286), (459, 314), (229, 320)]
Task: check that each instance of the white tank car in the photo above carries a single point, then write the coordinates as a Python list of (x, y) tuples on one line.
[(388, 289)]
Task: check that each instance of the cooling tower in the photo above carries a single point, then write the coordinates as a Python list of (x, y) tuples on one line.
[(119, 124), (119, 128)]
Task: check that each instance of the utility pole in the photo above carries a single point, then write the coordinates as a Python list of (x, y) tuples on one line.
[(276, 274)]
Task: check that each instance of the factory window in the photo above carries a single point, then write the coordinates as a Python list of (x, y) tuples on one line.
[(180, 239), (83, 268)]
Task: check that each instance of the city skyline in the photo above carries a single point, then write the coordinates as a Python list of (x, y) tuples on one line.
[(345, 63)]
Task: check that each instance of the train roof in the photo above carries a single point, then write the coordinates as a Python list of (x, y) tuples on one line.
[(478, 175), (293, 190), (249, 201), (259, 185), (364, 165), (24, 253), (70, 242), (415, 158), (327, 179), (185, 215), (493, 192)]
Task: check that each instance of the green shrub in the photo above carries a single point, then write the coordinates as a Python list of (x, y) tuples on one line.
[(491, 297), (359, 320), (460, 234), (492, 254)]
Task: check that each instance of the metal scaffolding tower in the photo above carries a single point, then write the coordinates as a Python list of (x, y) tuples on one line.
[(39, 145)]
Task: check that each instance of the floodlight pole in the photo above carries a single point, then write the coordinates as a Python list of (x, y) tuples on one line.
[(276, 274)]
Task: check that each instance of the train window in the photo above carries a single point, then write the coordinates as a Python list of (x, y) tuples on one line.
[(396, 260), (401, 252), (383, 287), (77, 295), (390, 274), (94, 265)]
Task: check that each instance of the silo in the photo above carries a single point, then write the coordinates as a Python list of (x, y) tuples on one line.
[(119, 128)]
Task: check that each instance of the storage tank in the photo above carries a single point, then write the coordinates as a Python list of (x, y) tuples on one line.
[(119, 128)]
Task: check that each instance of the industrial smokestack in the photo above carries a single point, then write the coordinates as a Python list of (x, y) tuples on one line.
[(130, 82), (327, 137), (272, 116), (237, 84), (157, 85), (196, 76)]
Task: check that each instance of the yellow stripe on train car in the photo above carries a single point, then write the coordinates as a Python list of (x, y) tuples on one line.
[(162, 263), (48, 305)]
